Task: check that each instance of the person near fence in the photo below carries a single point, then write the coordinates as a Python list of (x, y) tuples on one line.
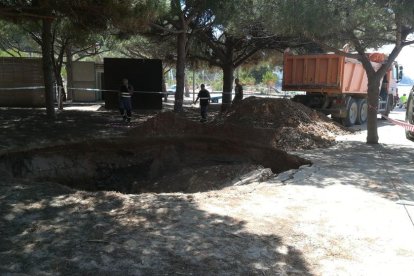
[(204, 96), (125, 105), (238, 92)]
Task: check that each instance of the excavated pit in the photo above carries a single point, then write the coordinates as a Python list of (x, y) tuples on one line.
[(173, 152), (159, 165)]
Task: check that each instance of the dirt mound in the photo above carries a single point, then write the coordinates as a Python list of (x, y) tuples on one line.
[(294, 125), (277, 113), (263, 112), (276, 123)]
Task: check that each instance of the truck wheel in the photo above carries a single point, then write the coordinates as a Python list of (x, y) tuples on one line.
[(362, 112), (409, 115), (351, 113), (389, 105)]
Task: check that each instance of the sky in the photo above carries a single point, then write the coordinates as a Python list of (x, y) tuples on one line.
[(405, 58)]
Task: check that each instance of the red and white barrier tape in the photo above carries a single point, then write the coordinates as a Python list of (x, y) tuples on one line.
[(405, 125), (373, 108)]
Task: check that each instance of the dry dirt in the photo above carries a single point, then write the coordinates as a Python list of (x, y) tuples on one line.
[(277, 123), (238, 225), (293, 126)]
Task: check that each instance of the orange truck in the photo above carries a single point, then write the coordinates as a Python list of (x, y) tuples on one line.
[(337, 85)]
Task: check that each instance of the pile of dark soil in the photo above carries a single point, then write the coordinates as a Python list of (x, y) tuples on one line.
[(273, 113), (276, 123), (295, 125)]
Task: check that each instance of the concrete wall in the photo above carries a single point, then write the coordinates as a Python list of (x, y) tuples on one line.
[(18, 73), (84, 76)]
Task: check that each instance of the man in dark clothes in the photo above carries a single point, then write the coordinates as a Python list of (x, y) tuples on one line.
[(238, 92), (125, 94), (204, 97)]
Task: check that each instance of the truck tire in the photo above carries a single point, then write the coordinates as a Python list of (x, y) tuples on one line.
[(389, 105), (351, 113), (362, 112), (409, 115)]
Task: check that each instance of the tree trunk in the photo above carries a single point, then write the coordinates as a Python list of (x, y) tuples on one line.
[(228, 71), (186, 88), (57, 68), (48, 67), (59, 81), (164, 86), (373, 94), (180, 71), (69, 72)]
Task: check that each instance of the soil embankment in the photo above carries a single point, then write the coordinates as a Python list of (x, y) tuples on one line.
[(171, 153)]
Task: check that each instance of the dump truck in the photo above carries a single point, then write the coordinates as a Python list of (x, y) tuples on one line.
[(337, 85)]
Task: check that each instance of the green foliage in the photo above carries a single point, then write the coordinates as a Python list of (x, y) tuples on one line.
[(369, 23), (246, 77), (269, 78), (359, 24), (141, 46), (259, 72), (15, 41)]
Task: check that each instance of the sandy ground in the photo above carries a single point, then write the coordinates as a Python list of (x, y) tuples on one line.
[(347, 214)]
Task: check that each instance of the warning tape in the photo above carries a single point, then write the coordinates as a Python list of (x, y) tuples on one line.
[(22, 88), (405, 125), (373, 108), (82, 89), (88, 89), (92, 90), (115, 91)]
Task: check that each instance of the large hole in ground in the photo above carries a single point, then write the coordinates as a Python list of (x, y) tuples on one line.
[(148, 165)]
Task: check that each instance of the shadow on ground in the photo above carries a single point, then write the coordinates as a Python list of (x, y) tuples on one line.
[(28, 127), (51, 230), (387, 170)]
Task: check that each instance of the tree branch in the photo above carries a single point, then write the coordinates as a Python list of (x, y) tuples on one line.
[(161, 28), (408, 43), (219, 52)]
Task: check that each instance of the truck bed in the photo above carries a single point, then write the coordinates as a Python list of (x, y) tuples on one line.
[(324, 73)]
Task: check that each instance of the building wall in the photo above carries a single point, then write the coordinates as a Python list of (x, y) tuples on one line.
[(23, 75), (84, 76)]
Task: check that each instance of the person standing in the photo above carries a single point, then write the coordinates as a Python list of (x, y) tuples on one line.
[(125, 105), (204, 96), (238, 91), (403, 100)]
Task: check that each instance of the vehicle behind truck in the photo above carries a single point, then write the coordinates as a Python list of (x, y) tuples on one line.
[(338, 86), (409, 115)]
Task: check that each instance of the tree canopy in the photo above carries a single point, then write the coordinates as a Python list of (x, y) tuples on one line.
[(88, 16), (225, 33), (362, 26)]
